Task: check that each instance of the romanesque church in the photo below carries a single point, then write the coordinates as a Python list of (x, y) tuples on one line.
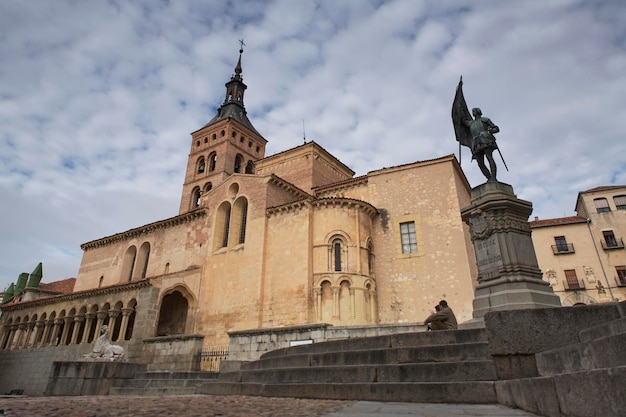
[(261, 242)]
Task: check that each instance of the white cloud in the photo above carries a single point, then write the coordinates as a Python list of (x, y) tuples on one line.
[(98, 100)]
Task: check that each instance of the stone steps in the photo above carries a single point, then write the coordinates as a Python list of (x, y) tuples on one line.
[(584, 379), (159, 383), (442, 366)]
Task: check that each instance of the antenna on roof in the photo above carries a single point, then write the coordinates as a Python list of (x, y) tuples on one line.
[(303, 132)]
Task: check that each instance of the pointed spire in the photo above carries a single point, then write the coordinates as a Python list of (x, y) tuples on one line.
[(238, 67)]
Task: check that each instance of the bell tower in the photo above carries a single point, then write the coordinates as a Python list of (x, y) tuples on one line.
[(228, 144)]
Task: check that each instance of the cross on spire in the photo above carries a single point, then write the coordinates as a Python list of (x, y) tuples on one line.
[(242, 45)]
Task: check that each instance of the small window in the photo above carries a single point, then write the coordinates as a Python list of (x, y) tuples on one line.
[(214, 136), (241, 139), (222, 133), (238, 164), (212, 161), (337, 250), (621, 275), (249, 144), (207, 187), (206, 140), (561, 243), (609, 238), (620, 202), (258, 148), (572, 279), (602, 205), (197, 143), (249, 168), (201, 165), (409, 238)]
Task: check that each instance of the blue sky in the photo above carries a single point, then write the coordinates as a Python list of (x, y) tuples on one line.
[(98, 100)]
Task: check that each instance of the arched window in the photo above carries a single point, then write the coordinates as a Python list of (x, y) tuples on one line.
[(212, 161), (336, 254), (238, 163), (128, 264), (132, 304), (250, 167), (222, 226), (172, 315), (142, 261), (326, 307), (195, 198), (239, 218), (201, 165), (370, 258), (207, 187)]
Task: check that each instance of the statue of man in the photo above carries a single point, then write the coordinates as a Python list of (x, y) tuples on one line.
[(483, 142), (477, 134)]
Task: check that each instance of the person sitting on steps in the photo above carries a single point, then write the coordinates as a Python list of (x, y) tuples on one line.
[(442, 319)]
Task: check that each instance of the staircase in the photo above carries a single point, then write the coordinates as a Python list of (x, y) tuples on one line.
[(160, 383), (583, 379), (442, 366)]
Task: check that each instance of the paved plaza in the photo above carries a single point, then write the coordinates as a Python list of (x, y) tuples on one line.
[(234, 406)]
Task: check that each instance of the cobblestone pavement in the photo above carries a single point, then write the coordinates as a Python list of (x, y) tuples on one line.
[(232, 406)]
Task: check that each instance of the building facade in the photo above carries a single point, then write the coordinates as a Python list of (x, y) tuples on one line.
[(583, 256), (266, 242)]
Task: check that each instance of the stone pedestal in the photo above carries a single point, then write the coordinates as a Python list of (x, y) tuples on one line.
[(508, 275)]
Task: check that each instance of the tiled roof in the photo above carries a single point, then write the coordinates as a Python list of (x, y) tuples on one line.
[(604, 188), (64, 286), (557, 221)]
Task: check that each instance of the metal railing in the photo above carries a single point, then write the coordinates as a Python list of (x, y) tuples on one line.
[(570, 286), (210, 359), (563, 248), (617, 243)]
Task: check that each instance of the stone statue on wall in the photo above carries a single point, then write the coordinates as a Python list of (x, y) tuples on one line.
[(104, 349), (476, 133)]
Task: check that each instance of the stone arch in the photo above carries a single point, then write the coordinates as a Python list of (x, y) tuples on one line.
[(173, 313), (326, 301), (222, 226), (141, 263), (239, 220), (195, 198), (131, 308), (201, 165), (345, 300), (128, 264), (250, 167), (115, 315), (337, 242), (92, 323), (237, 168), (369, 247)]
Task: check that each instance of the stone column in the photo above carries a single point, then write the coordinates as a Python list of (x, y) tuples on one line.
[(101, 316), (318, 303), (78, 320), (335, 302), (113, 315), (40, 326), (124, 326), (66, 329), (29, 334), (6, 331), (48, 325), (55, 331), (509, 277), (11, 336), (352, 303), (88, 320)]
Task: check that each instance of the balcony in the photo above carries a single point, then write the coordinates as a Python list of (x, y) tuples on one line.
[(616, 243), (573, 286), (563, 249)]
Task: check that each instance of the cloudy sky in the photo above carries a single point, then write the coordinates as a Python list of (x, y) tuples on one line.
[(98, 100)]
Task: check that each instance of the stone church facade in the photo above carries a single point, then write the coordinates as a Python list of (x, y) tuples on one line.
[(265, 242)]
